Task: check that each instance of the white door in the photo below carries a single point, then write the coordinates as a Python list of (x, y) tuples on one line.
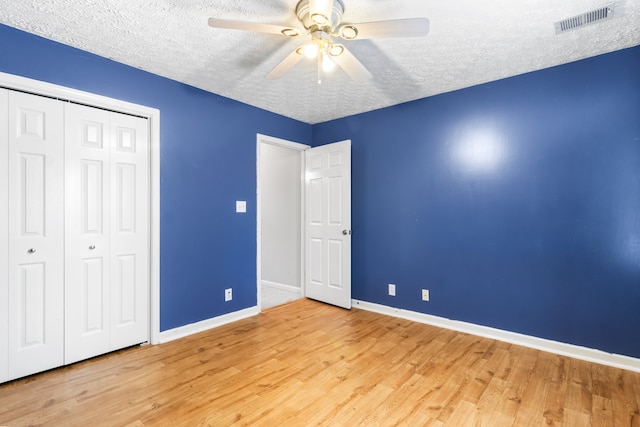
[(129, 211), (87, 229), (107, 232), (4, 238), (36, 276), (328, 223)]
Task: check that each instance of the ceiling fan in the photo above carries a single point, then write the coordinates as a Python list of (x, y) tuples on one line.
[(322, 20)]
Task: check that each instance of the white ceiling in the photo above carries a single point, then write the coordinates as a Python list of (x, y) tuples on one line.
[(470, 42)]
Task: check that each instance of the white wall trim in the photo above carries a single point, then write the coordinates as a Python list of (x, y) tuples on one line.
[(55, 91), (205, 325), (153, 114), (282, 142), (260, 139), (154, 193), (4, 238), (556, 347), (282, 286)]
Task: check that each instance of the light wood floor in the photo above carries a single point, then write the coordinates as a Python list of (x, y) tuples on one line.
[(307, 363)]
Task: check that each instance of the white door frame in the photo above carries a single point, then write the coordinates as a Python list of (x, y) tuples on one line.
[(4, 240), (19, 83), (293, 146)]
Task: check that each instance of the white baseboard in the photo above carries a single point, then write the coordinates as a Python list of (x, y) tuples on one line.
[(570, 350), (281, 286), (204, 325)]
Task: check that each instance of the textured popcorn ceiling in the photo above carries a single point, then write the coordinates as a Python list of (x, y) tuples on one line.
[(470, 42)]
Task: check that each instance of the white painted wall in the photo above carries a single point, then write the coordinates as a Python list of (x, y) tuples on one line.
[(280, 198)]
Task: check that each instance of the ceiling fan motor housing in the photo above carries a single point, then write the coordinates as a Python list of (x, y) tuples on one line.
[(303, 13)]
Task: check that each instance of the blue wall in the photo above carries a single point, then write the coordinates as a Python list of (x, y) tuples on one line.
[(208, 160), (516, 203)]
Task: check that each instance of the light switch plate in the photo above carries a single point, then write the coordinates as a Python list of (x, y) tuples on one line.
[(241, 206)]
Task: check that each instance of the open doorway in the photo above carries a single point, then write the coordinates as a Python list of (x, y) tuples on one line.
[(280, 202)]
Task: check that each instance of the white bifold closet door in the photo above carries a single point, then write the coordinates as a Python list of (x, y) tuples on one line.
[(35, 234), (130, 248), (74, 232), (106, 238)]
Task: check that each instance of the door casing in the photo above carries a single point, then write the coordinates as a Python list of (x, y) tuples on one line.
[(302, 148), (294, 146)]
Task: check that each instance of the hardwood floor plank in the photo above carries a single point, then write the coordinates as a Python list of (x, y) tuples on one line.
[(311, 364), (573, 418), (602, 412), (556, 396), (465, 414), (490, 387), (625, 407), (367, 409), (579, 388)]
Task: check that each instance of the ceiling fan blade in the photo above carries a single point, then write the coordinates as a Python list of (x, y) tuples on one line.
[(320, 11), (413, 27), (287, 64), (253, 26), (350, 64)]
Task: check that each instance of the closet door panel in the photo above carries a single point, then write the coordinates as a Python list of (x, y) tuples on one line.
[(35, 260), (130, 230), (4, 237), (87, 242)]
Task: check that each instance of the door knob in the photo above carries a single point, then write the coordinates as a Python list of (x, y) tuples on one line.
[(32, 251), (92, 247), (346, 232)]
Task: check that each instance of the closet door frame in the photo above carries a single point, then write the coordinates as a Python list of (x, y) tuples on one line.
[(19, 83), (4, 239)]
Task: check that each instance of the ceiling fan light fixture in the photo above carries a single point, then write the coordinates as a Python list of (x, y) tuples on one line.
[(324, 13), (348, 32), (320, 19), (309, 50), (336, 50), (291, 32), (327, 64)]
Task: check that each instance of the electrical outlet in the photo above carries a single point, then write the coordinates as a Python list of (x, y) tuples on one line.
[(425, 295), (228, 295), (392, 289)]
